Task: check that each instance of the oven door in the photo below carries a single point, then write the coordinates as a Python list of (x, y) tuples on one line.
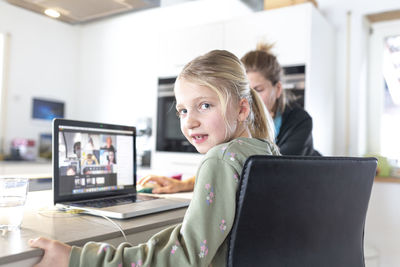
[(169, 135)]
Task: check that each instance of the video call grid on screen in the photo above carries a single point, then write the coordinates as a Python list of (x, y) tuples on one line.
[(94, 160)]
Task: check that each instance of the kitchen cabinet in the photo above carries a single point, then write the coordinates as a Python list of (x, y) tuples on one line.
[(179, 46), (301, 36), (286, 28)]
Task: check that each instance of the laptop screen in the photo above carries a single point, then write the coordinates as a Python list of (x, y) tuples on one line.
[(92, 159)]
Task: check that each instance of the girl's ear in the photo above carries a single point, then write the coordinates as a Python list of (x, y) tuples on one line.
[(244, 109)]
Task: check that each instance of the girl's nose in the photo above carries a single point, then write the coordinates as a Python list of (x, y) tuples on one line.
[(191, 121)]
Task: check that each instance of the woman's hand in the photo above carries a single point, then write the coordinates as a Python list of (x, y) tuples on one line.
[(167, 185), (55, 252)]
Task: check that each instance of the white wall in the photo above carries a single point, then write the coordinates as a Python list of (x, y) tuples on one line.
[(43, 62)]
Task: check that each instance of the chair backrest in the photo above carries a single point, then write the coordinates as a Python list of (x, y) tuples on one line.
[(301, 211)]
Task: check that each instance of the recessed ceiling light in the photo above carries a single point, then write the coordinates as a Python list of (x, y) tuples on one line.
[(52, 13)]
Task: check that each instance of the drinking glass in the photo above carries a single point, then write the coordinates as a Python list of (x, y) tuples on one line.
[(13, 193)]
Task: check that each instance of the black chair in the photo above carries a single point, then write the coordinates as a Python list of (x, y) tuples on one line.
[(301, 211)]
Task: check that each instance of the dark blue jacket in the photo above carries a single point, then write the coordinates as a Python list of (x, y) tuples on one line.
[(295, 134)]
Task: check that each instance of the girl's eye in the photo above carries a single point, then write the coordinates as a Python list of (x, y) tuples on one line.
[(258, 89), (181, 112), (205, 106)]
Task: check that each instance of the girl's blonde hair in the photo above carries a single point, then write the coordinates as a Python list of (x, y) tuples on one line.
[(264, 62), (223, 72)]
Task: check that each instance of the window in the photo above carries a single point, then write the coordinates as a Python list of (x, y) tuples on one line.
[(384, 92), (2, 103), (390, 123), (2, 44)]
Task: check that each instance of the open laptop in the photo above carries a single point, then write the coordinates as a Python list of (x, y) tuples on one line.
[(94, 169)]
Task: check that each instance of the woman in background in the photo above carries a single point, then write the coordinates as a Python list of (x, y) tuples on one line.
[(293, 125)]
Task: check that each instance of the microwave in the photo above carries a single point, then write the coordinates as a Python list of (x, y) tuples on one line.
[(169, 137)]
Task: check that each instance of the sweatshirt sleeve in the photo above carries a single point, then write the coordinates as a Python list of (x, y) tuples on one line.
[(195, 242)]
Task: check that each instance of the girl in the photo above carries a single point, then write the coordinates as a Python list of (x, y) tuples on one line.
[(224, 119)]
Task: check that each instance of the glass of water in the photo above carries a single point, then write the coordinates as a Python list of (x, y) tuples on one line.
[(13, 193)]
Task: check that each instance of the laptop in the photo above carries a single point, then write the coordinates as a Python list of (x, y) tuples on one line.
[(94, 170)]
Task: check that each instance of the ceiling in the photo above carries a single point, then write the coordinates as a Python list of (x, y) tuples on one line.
[(83, 11)]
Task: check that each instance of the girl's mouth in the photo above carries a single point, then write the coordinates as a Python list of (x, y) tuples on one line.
[(198, 139)]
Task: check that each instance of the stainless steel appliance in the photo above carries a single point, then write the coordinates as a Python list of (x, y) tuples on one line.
[(169, 136), (294, 81)]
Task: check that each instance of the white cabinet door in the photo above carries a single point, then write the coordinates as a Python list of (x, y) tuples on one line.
[(178, 47), (288, 28)]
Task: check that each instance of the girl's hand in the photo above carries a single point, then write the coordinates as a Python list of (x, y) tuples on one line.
[(55, 252)]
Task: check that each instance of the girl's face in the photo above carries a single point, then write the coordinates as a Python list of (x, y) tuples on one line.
[(200, 113), (269, 93)]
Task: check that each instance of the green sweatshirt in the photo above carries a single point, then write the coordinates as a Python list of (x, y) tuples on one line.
[(202, 238)]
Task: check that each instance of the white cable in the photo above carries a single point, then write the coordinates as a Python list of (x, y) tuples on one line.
[(101, 215), (116, 225)]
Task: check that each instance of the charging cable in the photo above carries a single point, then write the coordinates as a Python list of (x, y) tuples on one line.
[(74, 211), (83, 210)]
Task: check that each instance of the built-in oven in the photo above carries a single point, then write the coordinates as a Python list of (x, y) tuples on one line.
[(293, 81), (169, 136)]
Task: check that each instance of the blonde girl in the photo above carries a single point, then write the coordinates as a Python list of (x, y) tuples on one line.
[(225, 120)]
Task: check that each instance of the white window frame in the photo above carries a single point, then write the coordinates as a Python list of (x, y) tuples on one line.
[(2, 45), (380, 31), (3, 40)]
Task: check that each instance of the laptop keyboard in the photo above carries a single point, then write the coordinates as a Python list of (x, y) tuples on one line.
[(103, 203)]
